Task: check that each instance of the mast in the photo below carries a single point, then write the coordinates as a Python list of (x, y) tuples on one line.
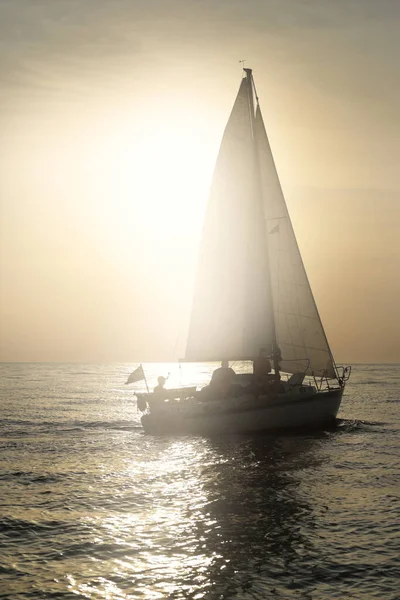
[(252, 93), (250, 85)]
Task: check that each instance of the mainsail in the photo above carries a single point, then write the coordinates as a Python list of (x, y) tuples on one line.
[(252, 294), (232, 311)]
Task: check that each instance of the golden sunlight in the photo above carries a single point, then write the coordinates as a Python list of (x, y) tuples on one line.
[(157, 176)]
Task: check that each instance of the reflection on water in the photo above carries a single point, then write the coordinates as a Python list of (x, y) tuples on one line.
[(256, 514), (93, 508), (220, 518)]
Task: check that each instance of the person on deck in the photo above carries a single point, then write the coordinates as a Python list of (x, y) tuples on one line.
[(160, 394), (262, 376), (223, 373), (221, 385), (160, 390)]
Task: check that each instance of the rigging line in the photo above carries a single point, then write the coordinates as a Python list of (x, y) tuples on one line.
[(255, 89), (176, 345)]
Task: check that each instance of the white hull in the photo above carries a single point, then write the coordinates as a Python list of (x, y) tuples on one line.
[(282, 411)]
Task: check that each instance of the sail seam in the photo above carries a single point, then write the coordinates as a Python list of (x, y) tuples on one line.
[(307, 347), (297, 315)]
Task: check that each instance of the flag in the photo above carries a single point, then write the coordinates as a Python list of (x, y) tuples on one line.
[(137, 375)]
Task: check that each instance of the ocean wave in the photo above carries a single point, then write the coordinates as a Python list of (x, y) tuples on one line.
[(10, 426), (91, 507), (13, 527), (29, 477)]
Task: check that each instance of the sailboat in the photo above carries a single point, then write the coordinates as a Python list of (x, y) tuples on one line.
[(252, 302)]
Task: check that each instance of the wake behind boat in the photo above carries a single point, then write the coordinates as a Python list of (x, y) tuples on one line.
[(252, 302)]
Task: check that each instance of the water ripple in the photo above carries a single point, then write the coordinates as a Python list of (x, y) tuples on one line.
[(92, 508)]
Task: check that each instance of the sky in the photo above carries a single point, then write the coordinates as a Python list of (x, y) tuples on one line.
[(111, 114)]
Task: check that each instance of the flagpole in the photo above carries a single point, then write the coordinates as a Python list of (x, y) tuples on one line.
[(145, 380)]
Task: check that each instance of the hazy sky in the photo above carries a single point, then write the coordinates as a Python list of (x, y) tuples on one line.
[(111, 113)]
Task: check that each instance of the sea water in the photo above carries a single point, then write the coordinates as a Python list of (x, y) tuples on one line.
[(91, 507)]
